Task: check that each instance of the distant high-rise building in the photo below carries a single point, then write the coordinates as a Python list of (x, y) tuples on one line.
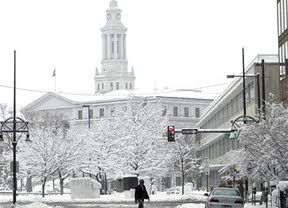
[(114, 74), (282, 25)]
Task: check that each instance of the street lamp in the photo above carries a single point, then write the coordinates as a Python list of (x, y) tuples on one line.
[(246, 118), (14, 125), (87, 106)]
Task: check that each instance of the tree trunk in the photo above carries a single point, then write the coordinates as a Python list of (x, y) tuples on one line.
[(29, 184), (61, 183), (43, 187), (61, 186)]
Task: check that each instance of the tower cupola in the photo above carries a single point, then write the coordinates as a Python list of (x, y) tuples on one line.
[(114, 73)]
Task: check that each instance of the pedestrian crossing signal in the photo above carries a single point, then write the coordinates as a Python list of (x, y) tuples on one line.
[(171, 134)]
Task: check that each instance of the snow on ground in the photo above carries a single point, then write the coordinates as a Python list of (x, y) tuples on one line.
[(39, 202)]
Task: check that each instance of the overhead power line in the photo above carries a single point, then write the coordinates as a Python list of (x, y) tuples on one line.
[(85, 94)]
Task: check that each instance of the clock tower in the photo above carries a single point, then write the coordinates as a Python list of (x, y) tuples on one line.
[(114, 74)]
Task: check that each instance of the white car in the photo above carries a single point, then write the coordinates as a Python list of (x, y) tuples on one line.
[(221, 197)]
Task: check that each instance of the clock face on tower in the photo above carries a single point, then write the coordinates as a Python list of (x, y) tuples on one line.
[(118, 16), (108, 16)]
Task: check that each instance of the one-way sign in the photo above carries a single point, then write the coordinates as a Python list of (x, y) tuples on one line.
[(189, 131)]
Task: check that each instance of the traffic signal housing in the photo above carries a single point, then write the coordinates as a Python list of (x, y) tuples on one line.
[(171, 134)]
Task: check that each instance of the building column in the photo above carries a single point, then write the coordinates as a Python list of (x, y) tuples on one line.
[(124, 47), (103, 47), (115, 46), (121, 46), (108, 46)]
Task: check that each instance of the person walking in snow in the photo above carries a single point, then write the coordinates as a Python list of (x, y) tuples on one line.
[(141, 194)]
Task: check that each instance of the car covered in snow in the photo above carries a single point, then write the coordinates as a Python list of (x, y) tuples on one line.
[(222, 197)]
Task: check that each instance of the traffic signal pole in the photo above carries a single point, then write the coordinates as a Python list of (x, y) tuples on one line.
[(171, 131)]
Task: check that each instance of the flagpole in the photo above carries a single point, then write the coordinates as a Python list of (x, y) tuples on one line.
[(54, 75), (55, 83)]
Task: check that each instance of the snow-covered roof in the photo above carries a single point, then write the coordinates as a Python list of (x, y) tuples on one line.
[(72, 99), (125, 94)]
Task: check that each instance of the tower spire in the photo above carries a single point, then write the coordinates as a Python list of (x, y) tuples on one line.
[(114, 73), (113, 4)]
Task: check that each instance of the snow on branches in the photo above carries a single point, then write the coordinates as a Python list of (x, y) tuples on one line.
[(265, 146)]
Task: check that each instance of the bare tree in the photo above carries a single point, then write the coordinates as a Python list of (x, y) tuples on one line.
[(185, 158)]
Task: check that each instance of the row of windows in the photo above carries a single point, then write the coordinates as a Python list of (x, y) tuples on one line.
[(91, 113), (220, 147), (232, 108), (175, 112), (116, 85), (282, 9), (186, 112)]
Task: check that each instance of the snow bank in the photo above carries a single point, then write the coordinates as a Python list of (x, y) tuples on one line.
[(36, 204)]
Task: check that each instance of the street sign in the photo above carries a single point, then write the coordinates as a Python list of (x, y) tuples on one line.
[(189, 131)]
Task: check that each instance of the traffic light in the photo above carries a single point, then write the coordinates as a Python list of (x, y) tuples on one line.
[(171, 134)]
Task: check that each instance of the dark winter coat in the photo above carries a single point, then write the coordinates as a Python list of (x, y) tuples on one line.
[(140, 192)]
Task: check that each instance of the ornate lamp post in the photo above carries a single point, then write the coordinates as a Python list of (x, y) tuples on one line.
[(14, 125), (242, 120)]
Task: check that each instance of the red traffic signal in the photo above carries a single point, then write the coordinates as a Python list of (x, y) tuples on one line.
[(171, 134)]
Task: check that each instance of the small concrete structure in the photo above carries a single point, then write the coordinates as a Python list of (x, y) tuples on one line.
[(188, 188), (85, 188)]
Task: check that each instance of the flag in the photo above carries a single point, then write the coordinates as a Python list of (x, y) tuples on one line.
[(54, 73)]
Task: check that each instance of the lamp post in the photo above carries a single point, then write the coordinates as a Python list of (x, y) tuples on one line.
[(87, 106), (14, 125), (244, 105)]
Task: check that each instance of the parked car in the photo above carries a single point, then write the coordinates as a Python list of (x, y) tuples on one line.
[(221, 197)]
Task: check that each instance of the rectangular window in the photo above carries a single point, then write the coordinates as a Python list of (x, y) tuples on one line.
[(197, 112), (126, 85), (112, 112), (102, 86), (164, 111), (98, 87), (175, 111), (91, 113), (186, 111), (130, 85), (111, 85), (80, 115), (117, 85), (101, 112), (178, 181)]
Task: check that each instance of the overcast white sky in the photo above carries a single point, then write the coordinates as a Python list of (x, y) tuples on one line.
[(170, 43)]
